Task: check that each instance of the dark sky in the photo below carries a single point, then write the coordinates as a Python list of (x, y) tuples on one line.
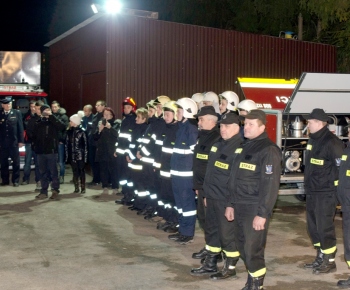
[(28, 25)]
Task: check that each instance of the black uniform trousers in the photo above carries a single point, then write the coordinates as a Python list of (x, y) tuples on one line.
[(109, 173), (201, 209), (78, 168), (250, 243), (320, 211), (219, 232), (6, 153)]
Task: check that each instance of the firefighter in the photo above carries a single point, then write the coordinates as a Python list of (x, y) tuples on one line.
[(208, 134), (228, 102), (344, 199), (253, 188), (181, 170), (152, 109), (219, 232), (166, 203), (198, 98), (124, 139), (212, 99), (11, 139), (322, 160), (245, 106)]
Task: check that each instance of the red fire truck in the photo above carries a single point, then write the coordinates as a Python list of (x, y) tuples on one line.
[(286, 103)]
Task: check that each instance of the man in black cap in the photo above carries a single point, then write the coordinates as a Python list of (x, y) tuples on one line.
[(45, 138), (322, 160), (208, 134), (219, 232), (253, 188), (11, 139)]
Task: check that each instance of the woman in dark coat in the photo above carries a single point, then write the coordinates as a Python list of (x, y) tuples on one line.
[(107, 137)]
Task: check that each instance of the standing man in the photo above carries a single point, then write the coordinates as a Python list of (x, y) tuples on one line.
[(95, 166), (322, 160), (208, 134), (11, 139), (60, 113), (45, 141), (253, 187), (219, 232)]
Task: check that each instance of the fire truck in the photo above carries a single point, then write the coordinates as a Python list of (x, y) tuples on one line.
[(286, 103)]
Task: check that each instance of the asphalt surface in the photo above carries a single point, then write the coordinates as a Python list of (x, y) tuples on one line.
[(89, 242)]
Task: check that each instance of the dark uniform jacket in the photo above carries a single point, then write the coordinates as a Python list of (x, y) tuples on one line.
[(86, 123), (106, 140), (167, 149), (206, 138), (61, 115), (31, 126), (126, 128), (136, 136), (344, 180), (11, 128), (94, 128), (322, 160), (45, 136), (219, 167), (255, 174), (76, 145)]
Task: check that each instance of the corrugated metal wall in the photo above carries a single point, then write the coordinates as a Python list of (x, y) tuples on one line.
[(146, 58)]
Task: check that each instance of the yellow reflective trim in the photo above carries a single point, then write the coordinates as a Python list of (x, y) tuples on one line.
[(221, 165), (239, 150), (231, 254), (213, 149), (202, 156), (317, 161), (213, 249), (317, 245), (258, 273), (344, 157), (268, 81), (336, 182), (247, 166), (347, 172), (329, 251), (308, 147), (348, 262)]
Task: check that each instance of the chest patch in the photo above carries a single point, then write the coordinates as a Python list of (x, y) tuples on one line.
[(247, 166)]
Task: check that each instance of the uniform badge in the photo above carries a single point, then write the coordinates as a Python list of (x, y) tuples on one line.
[(337, 161), (268, 169)]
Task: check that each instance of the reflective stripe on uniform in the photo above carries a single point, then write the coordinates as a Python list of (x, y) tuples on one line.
[(258, 273), (130, 184), (143, 193), (147, 160), (144, 140), (135, 166), (145, 151), (119, 150), (167, 206), (153, 196), (213, 249), (231, 254), (154, 137), (125, 136), (157, 165), (181, 173), (189, 213), (123, 182), (160, 203), (167, 150), (132, 146), (159, 142), (165, 173), (182, 151), (329, 251)]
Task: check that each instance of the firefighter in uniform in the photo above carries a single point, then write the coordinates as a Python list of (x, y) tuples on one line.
[(322, 159), (208, 134), (253, 184), (344, 199), (228, 102), (11, 139), (219, 232), (124, 139), (181, 170)]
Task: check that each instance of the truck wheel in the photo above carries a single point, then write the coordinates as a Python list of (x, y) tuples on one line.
[(300, 197)]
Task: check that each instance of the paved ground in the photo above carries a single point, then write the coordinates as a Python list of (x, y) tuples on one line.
[(89, 242)]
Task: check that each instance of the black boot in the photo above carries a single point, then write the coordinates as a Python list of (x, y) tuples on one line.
[(344, 283), (201, 254), (318, 260), (227, 271), (82, 184), (328, 265), (257, 283), (221, 257), (209, 266), (249, 283), (76, 184)]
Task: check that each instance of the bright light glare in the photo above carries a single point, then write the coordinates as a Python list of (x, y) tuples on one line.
[(94, 8), (113, 6)]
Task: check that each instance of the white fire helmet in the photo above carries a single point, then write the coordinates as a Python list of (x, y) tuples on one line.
[(247, 105), (162, 100), (189, 107), (232, 100), (212, 97), (198, 98)]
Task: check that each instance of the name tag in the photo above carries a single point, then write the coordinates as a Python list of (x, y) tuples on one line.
[(213, 149), (308, 147), (239, 150), (247, 166), (336, 182), (344, 157), (221, 165), (316, 161), (202, 156), (347, 172)]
